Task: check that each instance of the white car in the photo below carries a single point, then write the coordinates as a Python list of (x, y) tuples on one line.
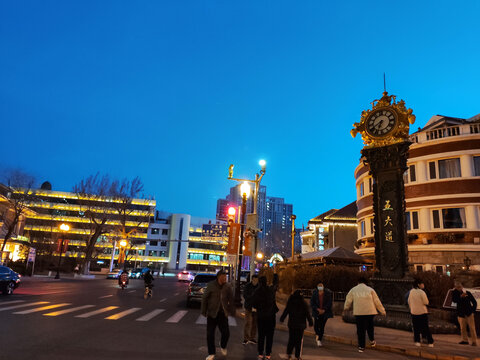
[(185, 276)]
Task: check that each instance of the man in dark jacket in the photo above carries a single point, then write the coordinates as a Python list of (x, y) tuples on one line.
[(217, 305), (250, 329), (466, 307), (298, 314), (266, 306), (321, 303)]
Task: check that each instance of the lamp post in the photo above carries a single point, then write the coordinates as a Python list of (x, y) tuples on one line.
[(121, 255), (245, 191), (293, 217), (256, 182), (64, 228)]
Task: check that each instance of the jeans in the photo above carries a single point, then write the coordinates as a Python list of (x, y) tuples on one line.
[(319, 325), (250, 329), (222, 322), (266, 328), (295, 340), (470, 321), (420, 327), (364, 323)]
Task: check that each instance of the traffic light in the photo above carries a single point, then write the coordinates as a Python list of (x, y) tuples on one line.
[(231, 213)]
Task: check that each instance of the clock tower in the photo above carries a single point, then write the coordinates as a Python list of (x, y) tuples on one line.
[(385, 129)]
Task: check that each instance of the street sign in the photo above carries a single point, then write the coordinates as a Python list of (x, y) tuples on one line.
[(252, 221), (233, 235), (32, 252)]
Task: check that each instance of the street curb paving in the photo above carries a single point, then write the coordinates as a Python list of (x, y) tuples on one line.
[(386, 348)]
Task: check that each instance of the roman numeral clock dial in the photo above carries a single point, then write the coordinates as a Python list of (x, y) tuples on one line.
[(381, 122)]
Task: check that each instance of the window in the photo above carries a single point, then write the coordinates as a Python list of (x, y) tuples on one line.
[(362, 229), (196, 256), (413, 175), (412, 220), (164, 231), (362, 189), (372, 226), (154, 231), (452, 218), (449, 168), (153, 243), (163, 243), (476, 166), (432, 170), (439, 269), (418, 268)]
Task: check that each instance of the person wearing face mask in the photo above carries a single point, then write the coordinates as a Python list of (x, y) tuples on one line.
[(321, 303), (418, 301)]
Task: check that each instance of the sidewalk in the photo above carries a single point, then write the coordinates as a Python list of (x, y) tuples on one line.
[(391, 340)]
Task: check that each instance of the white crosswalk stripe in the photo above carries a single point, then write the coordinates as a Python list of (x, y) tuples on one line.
[(150, 315), (96, 312), (48, 307), (66, 311), (23, 305), (12, 302), (177, 316), (202, 320), (122, 314)]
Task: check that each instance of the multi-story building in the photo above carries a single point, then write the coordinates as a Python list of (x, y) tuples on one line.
[(333, 228), (442, 195), (52, 208)]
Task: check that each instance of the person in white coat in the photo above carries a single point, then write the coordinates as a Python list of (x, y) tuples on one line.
[(366, 305), (418, 301)]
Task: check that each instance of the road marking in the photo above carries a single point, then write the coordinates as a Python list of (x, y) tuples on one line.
[(232, 321), (61, 312), (103, 297), (122, 314), (202, 320), (12, 302), (150, 315), (175, 318), (105, 309), (48, 307), (163, 299), (24, 305), (132, 291)]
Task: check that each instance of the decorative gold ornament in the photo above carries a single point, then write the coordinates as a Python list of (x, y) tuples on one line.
[(386, 123)]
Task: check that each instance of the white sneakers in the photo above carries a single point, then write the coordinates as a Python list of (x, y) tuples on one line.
[(417, 344), (319, 343), (223, 351), (210, 357)]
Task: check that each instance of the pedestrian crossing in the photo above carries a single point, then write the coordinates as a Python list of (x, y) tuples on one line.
[(90, 311)]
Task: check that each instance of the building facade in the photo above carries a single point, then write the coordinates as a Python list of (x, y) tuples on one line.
[(442, 195)]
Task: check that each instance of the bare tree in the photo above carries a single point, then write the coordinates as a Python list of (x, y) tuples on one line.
[(90, 192), (17, 195)]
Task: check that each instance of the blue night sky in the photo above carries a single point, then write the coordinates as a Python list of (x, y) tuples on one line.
[(176, 91)]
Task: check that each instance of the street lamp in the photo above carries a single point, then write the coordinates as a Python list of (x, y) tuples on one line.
[(293, 217), (64, 228), (121, 255), (245, 191), (256, 182)]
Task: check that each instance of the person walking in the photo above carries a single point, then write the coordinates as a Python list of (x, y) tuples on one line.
[(365, 303), (321, 303), (250, 327), (418, 301), (265, 304), (217, 305), (466, 307), (298, 314)]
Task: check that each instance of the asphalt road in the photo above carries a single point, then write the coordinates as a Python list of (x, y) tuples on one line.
[(94, 319)]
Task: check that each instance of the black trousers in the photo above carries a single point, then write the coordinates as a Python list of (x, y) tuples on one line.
[(319, 325), (222, 322), (420, 327), (364, 323), (266, 328), (295, 340)]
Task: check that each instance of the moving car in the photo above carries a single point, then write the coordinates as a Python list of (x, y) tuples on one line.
[(113, 274), (185, 276), (9, 280), (197, 287)]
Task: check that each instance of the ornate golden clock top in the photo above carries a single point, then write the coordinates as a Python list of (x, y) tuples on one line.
[(386, 123)]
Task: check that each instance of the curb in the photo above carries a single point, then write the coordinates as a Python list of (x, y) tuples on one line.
[(424, 354)]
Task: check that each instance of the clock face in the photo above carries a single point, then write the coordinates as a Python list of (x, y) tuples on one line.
[(381, 122)]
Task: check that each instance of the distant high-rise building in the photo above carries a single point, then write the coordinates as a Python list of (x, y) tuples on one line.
[(274, 219)]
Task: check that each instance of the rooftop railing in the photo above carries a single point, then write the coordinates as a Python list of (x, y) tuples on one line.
[(444, 132)]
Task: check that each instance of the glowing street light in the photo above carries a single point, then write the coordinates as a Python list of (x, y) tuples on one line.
[(259, 256), (123, 243), (64, 228), (245, 190)]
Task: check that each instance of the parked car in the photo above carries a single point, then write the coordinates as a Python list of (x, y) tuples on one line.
[(114, 274), (9, 280), (185, 276), (197, 287)]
